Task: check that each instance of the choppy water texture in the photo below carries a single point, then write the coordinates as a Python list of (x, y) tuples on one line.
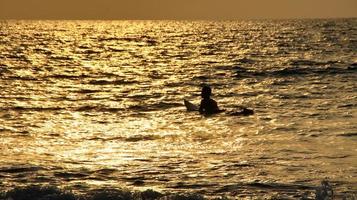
[(92, 104)]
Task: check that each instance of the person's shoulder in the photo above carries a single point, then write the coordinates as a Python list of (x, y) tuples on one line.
[(205, 100), (213, 101)]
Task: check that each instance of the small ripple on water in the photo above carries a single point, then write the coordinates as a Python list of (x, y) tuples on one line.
[(20, 169), (348, 135)]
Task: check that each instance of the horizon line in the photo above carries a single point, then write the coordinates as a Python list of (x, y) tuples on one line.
[(175, 19)]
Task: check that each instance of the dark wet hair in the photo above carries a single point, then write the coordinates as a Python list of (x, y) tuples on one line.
[(206, 91)]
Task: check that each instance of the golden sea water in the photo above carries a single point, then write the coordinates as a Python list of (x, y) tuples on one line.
[(91, 104)]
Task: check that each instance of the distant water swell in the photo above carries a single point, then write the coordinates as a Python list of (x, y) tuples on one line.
[(295, 71), (99, 108), (300, 68)]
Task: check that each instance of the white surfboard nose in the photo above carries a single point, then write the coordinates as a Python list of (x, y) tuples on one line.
[(190, 106)]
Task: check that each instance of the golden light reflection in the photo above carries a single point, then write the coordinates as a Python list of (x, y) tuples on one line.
[(104, 106)]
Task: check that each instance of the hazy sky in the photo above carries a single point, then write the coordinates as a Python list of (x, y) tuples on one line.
[(175, 9)]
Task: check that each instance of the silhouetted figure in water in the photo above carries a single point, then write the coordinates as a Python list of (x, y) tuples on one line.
[(208, 105)]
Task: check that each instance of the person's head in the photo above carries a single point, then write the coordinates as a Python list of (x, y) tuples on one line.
[(206, 92)]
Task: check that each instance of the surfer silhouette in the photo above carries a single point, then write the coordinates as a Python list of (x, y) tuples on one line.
[(208, 105)]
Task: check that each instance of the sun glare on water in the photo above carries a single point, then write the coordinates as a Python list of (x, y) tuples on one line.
[(87, 104)]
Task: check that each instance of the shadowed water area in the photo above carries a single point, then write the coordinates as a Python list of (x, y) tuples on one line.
[(92, 104)]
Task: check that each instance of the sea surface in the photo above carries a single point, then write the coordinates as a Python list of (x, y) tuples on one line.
[(93, 104)]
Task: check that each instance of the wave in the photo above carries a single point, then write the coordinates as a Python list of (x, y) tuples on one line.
[(21, 78), (137, 138), (88, 108), (134, 138), (36, 109), (115, 49), (20, 169), (147, 39), (61, 57), (88, 91), (254, 190), (112, 82), (3, 69), (96, 108), (353, 66), (36, 192), (302, 62), (294, 71), (66, 76), (348, 134), (101, 39), (245, 61), (262, 185), (154, 107), (69, 175)]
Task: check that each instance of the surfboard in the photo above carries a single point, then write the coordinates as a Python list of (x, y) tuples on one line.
[(244, 112), (190, 106)]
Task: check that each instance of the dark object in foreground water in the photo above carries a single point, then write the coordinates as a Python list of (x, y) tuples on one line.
[(244, 112), (325, 191)]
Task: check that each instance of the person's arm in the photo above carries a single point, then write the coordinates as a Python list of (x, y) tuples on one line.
[(201, 110), (216, 108)]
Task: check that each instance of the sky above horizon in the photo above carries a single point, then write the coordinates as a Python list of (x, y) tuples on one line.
[(176, 9)]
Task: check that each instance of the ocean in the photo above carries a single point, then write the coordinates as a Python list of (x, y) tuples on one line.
[(86, 105)]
